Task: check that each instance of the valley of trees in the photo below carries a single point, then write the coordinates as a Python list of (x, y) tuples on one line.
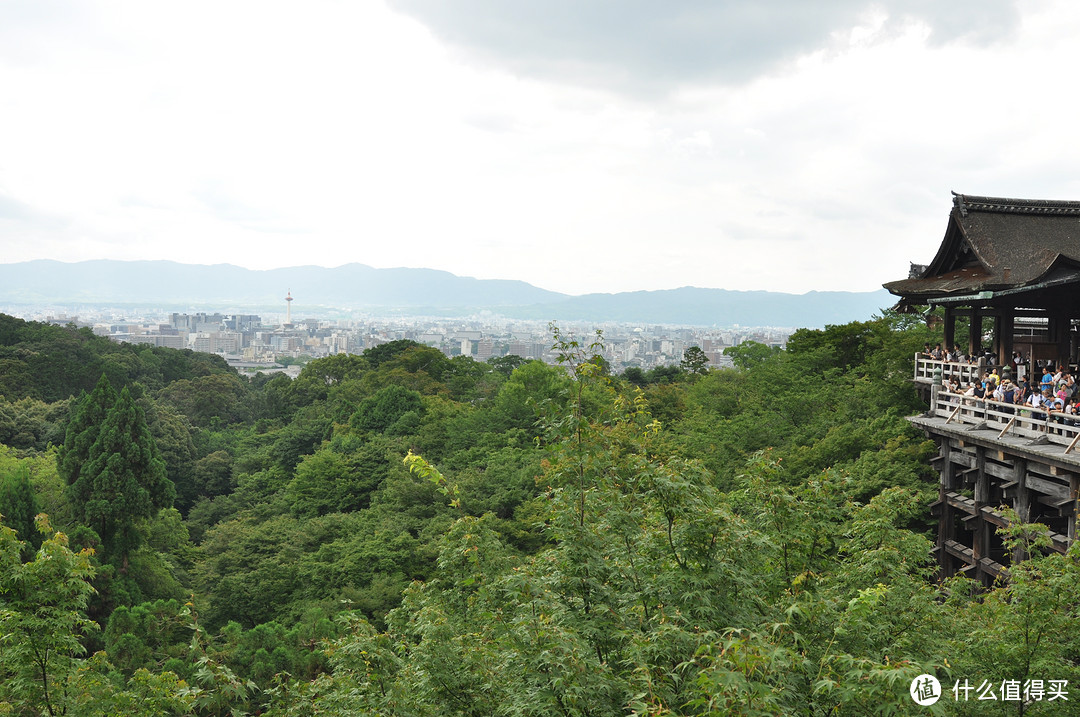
[(401, 533)]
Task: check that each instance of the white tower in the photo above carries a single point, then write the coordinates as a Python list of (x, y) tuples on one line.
[(288, 309)]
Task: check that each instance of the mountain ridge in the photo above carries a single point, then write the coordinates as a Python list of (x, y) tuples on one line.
[(421, 291)]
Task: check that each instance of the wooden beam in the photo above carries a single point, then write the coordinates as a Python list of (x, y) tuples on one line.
[(959, 550), (994, 517), (959, 502), (1047, 487), (994, 568)]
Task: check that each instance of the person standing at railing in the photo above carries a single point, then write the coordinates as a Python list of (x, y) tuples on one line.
[(1055, 409), (1006, 391), (1046, 406), (996, 393), (1008, 394), (1062, 394), (1036, 399), (1048, 377), (1070, 410), (1023, 391), (1018, 365)]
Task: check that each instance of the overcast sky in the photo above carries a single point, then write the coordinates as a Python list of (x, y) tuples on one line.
[(580, 145)]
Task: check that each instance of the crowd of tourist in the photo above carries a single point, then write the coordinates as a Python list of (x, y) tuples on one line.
[(1051, 389)]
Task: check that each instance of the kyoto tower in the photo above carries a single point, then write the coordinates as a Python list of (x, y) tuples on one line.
[(288, 309)]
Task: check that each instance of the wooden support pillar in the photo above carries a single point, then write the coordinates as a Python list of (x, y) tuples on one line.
[(1023, 493), (1074, 491), (946, 521), (950, 327), (975, 333), (980, 544), (1061, 337), (1006, 331), (995, 338), (1072, 342), (1023, 503)]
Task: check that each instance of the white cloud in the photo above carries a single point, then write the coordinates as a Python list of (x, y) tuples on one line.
[(269, 134)]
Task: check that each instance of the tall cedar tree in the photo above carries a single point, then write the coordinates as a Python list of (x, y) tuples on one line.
[(123, 479), (83, 430)]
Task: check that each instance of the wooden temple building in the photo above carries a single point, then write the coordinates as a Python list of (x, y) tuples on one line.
[(1007, 270)]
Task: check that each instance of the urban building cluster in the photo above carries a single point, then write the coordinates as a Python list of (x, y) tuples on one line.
[(251, 342)]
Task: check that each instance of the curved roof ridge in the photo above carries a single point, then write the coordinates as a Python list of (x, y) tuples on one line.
[(1060, 261), (1001, 244), (1005, 205)]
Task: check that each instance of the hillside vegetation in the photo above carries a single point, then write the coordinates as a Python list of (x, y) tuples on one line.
[(400, 533)]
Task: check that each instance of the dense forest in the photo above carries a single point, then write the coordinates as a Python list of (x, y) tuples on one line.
[(402, 533)]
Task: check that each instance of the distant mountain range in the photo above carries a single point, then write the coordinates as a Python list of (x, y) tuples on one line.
[(411, 291)]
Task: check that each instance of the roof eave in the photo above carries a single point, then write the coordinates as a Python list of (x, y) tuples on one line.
[(988, 295)]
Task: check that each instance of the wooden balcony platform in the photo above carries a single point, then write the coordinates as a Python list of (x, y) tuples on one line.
[(993, 458)]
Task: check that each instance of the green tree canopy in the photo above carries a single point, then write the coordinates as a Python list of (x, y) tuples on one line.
[(18, 506), (338, 477), (411, 357), (42, 613), (506, 364), (750, 353), (378, 355), (219, 398), (52, 363), (694, 360), (389, 405)]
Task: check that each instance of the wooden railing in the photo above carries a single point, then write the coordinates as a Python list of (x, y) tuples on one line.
[(1007, 419), (963, 373)]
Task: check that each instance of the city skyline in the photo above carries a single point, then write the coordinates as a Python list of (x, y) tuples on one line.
[(251, 343)]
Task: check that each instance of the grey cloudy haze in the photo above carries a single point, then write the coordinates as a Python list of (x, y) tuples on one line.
[(580, 145)]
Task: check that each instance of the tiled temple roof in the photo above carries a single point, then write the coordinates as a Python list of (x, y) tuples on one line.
[(995, 243)]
